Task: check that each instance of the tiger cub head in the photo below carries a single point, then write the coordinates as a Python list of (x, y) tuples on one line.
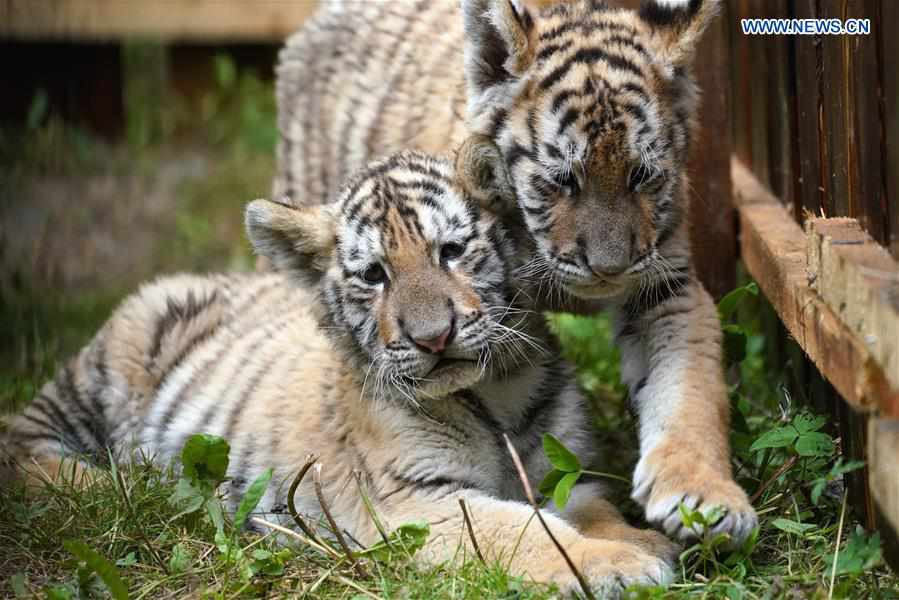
[(413, 268), (592, 109)]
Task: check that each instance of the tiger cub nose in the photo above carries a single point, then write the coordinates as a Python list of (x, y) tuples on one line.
[(437, 344)]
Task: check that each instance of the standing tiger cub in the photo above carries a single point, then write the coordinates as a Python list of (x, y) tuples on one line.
[(592, 109), (405, 353)]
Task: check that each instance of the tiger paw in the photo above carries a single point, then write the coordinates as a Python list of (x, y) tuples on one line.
[(609, 568), (661, 486)]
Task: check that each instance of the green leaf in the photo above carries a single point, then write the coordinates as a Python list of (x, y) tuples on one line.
[(792, 526), (214, 510), (225, 71), (805, 423), (251, 498), (549, 483), (17, 583), (814, 444), (689, 516), (99, 565), (129, 560), (186, 497), (779, 437), (563, 489), (205, 458), (734, 343), (180, 559), (818, 489), (860, 554), (58, 592), (839, 468), (559, 456), (728, 304), (268, 563), (37, 110), (409, 538), (713, 514)]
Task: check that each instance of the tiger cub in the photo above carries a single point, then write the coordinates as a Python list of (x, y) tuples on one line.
[(395, 341), (593, 109)]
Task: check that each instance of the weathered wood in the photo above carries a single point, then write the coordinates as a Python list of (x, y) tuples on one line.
[(712, 218), (889, 67), (774, 250), (864, 122), (808, 57), (759, 97), (836, 117), (883, 458), (781, 122), (741, 107), (859, 280), (164, 19)]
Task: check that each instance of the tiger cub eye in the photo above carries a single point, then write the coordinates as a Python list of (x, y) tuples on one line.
[(451, 250), (374, 273)]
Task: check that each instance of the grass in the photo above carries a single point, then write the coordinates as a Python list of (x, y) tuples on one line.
[(783, 454)]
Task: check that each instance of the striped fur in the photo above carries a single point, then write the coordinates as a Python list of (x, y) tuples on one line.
[(592, 109), (320, 358)]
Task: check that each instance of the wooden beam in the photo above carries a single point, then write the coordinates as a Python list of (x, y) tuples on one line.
[(883, 456), (206, 20), (859, 280), (775, 251)]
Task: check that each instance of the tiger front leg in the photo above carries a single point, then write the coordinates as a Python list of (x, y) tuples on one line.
[(671, 362), (506, 533)]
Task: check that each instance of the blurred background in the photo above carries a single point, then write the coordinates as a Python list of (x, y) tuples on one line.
[(131, 135)]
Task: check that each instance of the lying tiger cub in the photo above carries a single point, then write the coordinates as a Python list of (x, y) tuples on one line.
[(395, 341)]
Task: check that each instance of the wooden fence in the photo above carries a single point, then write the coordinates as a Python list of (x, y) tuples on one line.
[(815, 122)]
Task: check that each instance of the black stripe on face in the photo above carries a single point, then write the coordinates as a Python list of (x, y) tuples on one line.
[(589, 56), (498, 120), (550, 49), (571, 115), (516, 153), (586, 28), (561, 98)]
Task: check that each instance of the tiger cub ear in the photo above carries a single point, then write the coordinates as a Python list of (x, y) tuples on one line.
[(481, 171), (497, 48), (298, 240), (677, 26)]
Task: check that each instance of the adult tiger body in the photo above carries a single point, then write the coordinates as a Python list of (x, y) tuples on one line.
[(593, 110), (404, 355)]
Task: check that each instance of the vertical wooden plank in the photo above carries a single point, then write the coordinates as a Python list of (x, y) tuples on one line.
[(759, 97), (741, 84), (863, 121), (808, 57), (889, 65), (712, 217), (780, 121), (835, 95)]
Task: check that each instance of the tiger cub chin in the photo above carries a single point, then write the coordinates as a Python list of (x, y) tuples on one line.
[(394, 341)]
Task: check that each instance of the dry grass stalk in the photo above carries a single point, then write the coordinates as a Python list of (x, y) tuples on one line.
[(522, 474), (468, 526)]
